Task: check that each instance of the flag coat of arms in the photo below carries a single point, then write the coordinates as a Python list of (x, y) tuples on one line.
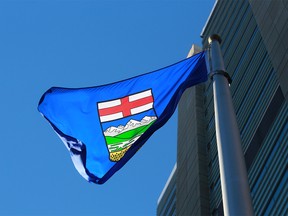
[(104, 126), (119, 134)]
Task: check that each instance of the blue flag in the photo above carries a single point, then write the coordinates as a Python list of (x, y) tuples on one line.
[(104, 126)]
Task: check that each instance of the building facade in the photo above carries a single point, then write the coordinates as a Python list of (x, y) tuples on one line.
[(255, 52), (166, 204)]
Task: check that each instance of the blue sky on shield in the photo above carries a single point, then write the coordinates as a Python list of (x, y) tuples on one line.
[(76, 44), (124, 121)]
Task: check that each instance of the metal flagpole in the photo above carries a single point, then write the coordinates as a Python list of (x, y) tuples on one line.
[(233, 174)]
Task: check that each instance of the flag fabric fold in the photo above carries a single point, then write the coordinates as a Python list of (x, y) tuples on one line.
[(104, 126)]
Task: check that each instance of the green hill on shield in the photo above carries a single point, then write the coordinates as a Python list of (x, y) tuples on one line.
[(125, 138)]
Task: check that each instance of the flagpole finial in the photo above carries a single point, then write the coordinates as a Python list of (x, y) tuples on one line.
[(214, 37)]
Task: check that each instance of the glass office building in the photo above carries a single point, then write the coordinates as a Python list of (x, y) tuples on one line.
[(167, 199), (255, 51)]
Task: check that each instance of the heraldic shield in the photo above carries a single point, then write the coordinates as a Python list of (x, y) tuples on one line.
[(124, 120)]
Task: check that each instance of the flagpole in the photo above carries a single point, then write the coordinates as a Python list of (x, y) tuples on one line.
[(233, 173)]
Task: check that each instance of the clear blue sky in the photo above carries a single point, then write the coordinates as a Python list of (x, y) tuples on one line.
[(80, 44)]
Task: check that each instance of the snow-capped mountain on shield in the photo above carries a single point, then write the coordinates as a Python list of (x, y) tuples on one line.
[(132, 124), (119, 139)]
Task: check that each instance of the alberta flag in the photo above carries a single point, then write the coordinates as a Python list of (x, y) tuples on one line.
[(104, 126)]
